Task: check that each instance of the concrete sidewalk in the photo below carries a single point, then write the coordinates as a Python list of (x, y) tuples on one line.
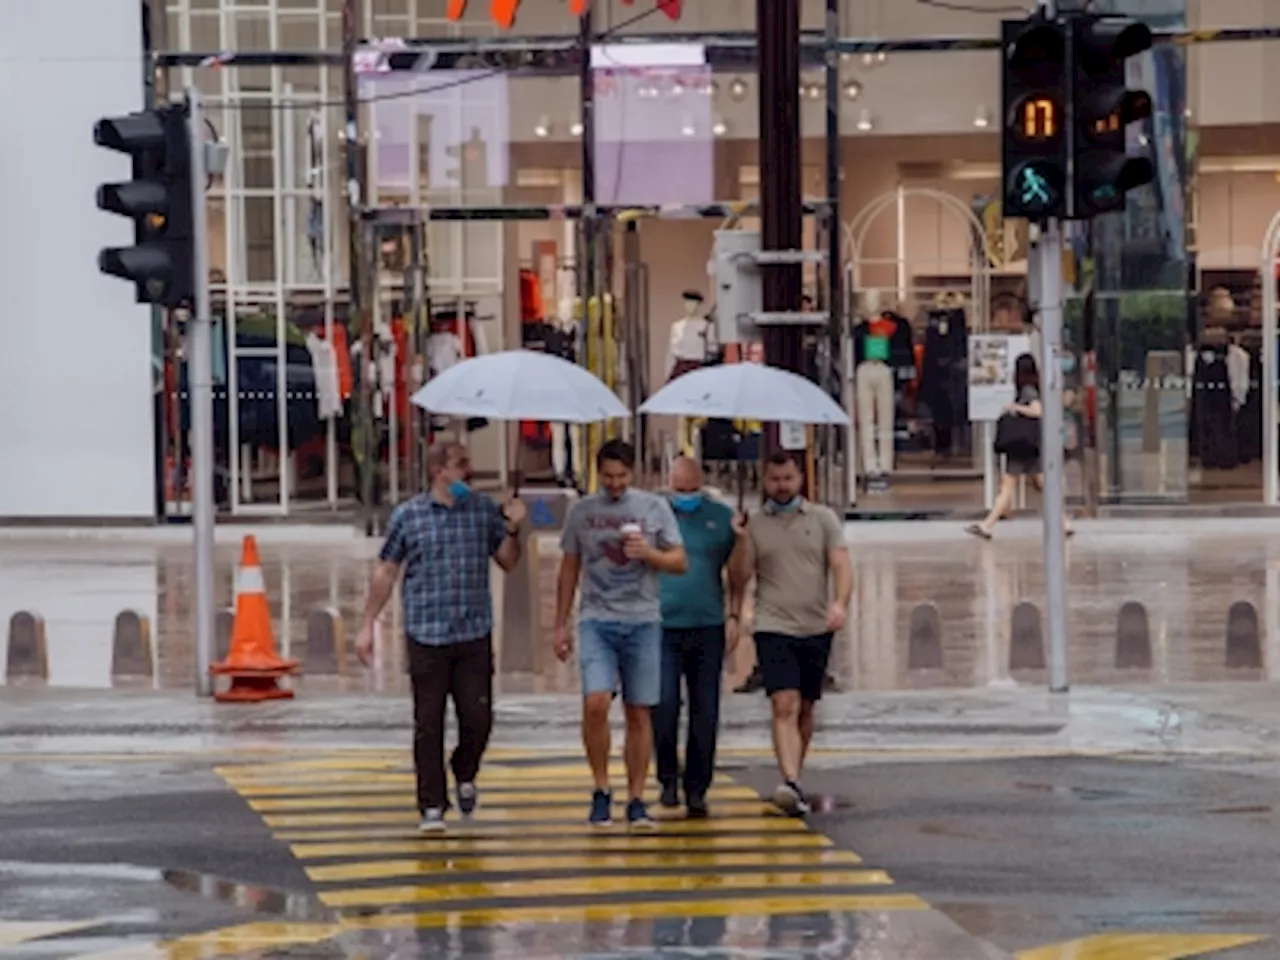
[(1227, 720)]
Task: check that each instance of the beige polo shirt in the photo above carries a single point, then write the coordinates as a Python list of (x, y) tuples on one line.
[(790, 552)]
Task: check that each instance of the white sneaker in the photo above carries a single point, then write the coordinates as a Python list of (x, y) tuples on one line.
[(432, 821), (790, 799)]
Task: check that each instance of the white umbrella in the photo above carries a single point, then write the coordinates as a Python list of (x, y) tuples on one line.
[(746, 391), (520, 385)]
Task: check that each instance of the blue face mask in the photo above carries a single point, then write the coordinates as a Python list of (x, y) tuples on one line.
[(791, 506), (1069, 364), (459, 490), (686, 502)]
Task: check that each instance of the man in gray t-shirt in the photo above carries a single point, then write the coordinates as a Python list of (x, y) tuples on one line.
[(617, 541)]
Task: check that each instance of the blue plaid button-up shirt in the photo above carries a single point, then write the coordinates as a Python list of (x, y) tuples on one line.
[(445, 554)]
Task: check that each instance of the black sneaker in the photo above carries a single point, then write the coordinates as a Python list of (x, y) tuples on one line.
[(468, 799), (696, 808), (790, 799), (670, 795), (601, 809), (638, 816)]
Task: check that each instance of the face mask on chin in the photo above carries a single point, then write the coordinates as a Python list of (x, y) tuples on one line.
[(459, 490), (788, 506)]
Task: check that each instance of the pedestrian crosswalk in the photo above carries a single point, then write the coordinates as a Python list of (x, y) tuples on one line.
[(529, 856)]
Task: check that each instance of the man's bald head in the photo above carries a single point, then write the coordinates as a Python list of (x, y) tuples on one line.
[(686, 476)]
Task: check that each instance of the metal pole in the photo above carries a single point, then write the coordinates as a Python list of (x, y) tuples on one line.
[(588, 348), (364, 442), (1048, 251), (835, 299), (781, 209), (200, 377)]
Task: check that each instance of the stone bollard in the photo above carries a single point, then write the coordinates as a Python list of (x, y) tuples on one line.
[(326, 647), (1244, 642), (924, 638), (28, 654), (131, 653), (1133, 637), (1026, 638)]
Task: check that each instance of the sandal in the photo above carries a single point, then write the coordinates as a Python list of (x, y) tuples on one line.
[(975, 530)]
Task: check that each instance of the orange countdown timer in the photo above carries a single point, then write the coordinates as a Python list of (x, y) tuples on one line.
[(1039, 120)]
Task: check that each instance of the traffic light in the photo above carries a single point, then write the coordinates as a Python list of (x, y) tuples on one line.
[(157, 199), (1034, 95), (1102, 107)]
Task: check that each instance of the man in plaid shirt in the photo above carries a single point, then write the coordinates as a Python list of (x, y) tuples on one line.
[(443, 540)]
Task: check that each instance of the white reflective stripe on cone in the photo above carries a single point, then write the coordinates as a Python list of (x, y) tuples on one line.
[(251, 581)]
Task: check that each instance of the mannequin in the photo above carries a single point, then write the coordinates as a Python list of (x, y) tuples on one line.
[(693, 342), (878, 348), (563, 342), (693, 338)]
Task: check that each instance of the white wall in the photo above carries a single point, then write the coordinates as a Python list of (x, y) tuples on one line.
[(75, 351)]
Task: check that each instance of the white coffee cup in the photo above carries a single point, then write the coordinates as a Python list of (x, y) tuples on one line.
[(630, 530)]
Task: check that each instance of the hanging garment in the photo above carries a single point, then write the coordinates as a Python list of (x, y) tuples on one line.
[(342, 356), (1249, 416), (1212, 419), (944, 379), (324, 361), (693, 341), (531, 306)]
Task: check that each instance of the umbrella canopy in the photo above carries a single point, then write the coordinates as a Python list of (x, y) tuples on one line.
[(748, 391), (520, 385)]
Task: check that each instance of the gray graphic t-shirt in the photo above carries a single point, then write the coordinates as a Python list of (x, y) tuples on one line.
[(613, 587)]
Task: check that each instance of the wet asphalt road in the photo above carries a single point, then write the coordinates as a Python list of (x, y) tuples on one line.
[(1028, 852), (1019, 853)]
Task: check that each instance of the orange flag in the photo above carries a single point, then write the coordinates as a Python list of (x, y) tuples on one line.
[(455, 9), (503, 12)]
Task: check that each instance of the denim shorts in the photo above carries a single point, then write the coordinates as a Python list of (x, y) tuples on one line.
[(613, 653)]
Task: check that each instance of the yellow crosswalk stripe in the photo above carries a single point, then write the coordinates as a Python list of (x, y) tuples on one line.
[(1141, 946), (538, 835), (588, 885), (638, 844), (640, 910), (573, 808), (574, 819), (500, 864), (494, 795)]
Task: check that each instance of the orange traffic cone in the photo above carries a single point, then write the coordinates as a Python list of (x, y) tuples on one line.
[(252, 662)]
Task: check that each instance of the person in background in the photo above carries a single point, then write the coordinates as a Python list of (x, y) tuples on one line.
[(443, 541), (696, 634), (1026, 383), (617, 541), (797, 552)]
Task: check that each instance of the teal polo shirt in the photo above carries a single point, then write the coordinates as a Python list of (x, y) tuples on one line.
[(695, 598)]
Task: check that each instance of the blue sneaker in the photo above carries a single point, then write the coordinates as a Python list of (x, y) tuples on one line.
[(601, 809), (468, 799), (638, 816)]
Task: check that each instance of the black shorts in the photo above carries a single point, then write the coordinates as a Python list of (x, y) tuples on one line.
[(793, 663)]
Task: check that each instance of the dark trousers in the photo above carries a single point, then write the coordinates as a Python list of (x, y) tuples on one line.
[(463, 671), (695, 654)]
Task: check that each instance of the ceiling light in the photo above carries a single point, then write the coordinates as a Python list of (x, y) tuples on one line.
[(575, 128), (853, 90), (738, 88), (677, 89), (646, 91), (542, 129), (720, 128), (983, 119), (710, 88), (688, 130), (846, 57), (864, 121), (881, 57), (868, 59)]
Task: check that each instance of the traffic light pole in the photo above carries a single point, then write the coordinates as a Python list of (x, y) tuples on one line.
[(1047, 254), (200, 383)]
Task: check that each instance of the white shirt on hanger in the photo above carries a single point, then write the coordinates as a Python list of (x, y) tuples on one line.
[(692, 339), (324, 361)]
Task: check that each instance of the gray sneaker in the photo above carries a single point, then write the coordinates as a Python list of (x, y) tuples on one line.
[(432, 821), (468, 799), (790, 799)]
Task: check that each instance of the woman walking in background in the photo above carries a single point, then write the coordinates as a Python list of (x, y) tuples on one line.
[(1026, 381)]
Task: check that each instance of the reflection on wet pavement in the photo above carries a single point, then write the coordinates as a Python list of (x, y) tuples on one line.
[(927, 615)]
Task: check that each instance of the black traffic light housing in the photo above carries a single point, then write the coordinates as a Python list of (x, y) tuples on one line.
[(1034, 88), (157, 199), (1102, 108)]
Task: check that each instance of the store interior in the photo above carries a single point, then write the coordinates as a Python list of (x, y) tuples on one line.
[(924, 249)]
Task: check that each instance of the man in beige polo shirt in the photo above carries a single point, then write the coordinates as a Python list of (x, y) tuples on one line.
[(799, 559)]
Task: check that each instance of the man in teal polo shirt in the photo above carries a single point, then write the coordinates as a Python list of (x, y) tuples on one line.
[(696, 634)]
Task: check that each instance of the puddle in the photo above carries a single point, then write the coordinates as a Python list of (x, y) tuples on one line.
[(270, 901)]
